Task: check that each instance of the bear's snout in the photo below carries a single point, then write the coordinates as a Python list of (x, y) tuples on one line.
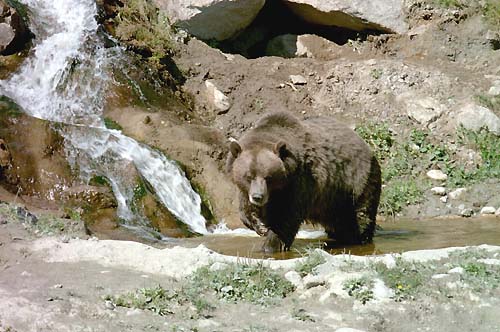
[(258, 192)]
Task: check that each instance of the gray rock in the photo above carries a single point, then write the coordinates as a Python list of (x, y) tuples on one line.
[(441, 191), (385, 15), (218, 99), (457, 193), (497, 212), (294, 277), (211, 19), (348, 329), (309, 46), (488, 210), (436, 174), (467, 213), (424, 110), (474, 117), (298, 79)]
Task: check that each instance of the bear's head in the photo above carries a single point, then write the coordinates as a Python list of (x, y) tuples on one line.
[(258, 171)]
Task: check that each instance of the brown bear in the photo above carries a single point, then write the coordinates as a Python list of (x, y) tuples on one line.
[(317, 170)]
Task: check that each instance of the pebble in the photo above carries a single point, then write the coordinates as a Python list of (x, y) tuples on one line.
[(298, 79), (457, 270), (109, 305), (488, 210), (443, 199), (437, 174), (455, 194), (58, 286), (466, 213), (441, 191)]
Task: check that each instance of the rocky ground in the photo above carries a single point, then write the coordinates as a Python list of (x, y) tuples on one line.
[(57, 278)]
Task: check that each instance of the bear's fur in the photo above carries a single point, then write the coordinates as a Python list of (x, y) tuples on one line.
[(289, 171)]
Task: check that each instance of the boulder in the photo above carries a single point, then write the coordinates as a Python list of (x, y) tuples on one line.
[(308, 46), (13, 31), (423, 110), (211, 19), (474, 117), (381, 15)]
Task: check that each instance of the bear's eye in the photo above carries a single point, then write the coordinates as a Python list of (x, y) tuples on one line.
[(248, 177)]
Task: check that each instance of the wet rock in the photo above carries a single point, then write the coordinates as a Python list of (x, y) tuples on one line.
[(5, 157), (211, 19), (13, 31), (475, 117), (467, 213), (355, 15), (488, 210), (441, 191), (94, 197), (457, 193), (436, 174), (38, 160), (216, 98)]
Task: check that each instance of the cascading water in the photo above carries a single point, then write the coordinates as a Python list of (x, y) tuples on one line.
[(64, 81)]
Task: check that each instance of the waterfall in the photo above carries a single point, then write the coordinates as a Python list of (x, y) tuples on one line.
[(64, 81)]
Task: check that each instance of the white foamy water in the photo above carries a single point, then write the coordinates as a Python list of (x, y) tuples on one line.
[(64, 81)]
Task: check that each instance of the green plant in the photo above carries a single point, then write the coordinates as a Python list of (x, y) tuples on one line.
[(379, 137), (145, 29), (490, 102), (376, 73), (111, 124), (302, 315), (398, 194), (312, 259), (491, 11), (450, 3), (156, 299), (405, 277), (253, 283), (359, 288)]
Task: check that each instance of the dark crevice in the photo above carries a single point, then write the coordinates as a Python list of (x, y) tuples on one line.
[(277, 19)]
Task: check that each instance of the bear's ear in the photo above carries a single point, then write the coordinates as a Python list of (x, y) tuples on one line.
[(281, 150), (235, 149)]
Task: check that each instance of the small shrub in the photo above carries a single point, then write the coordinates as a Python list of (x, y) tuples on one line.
[(111, 124), (360, 289), (398, 194), (145, 29), (156, 299), (242, 282), (302, 315), (313, 259), (405, 278)]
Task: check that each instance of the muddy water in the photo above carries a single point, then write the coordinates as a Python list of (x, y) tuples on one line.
[(393, 237)]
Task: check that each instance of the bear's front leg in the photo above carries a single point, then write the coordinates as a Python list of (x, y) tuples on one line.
[(272, 243)]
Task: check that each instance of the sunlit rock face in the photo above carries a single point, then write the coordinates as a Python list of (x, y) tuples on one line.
[(211, 19), (382, 15)]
